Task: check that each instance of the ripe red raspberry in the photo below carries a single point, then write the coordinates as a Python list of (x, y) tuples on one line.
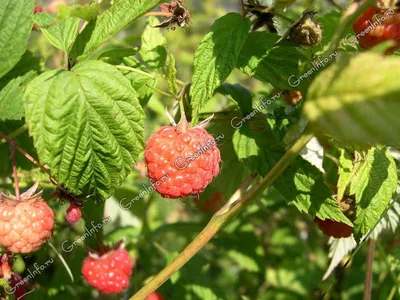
[(38, 9), (376, 26), (333, 228), (73, 214), (181, 163), (213, 203), (25, 224), (18, 286), (109, 272), (154, 296)]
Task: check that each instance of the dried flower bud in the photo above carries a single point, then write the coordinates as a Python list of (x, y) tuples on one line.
[(306, 31)]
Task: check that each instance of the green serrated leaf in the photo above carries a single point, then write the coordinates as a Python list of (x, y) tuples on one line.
[(140, 82), (118, 53), (11, 105), (80, 42), (301, 184), (373, 187), (170, 73), (113, 20), (15, 28), (345, 172), (216, 57), (87, 126), (266, 61), (238, 94), (63, 34), (86, 12), (43, 19), (153, 51), (351, 106), (27, 63)]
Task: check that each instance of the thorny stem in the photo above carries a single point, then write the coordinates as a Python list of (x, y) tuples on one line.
[(349, 16), (29, 157), (15, 171), (368, 271), (238, 202)]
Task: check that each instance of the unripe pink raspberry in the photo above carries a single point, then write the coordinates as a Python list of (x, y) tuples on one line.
[(25, 224)]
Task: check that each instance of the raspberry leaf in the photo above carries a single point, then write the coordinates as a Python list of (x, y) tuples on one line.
[(266, 61), (216, 57), (152, 51), (140, 82), (86, 12), (338, 250), (358, 101), (170, 73), (43, 19), (63, 34), (238, 94), (16, 26), (373, 187), (87, 126), (113, 20), (301, 184), (345, 173), (11, 105)]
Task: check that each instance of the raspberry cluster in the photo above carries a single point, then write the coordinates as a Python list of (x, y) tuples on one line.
[(110, 272), (25, 224), (376, 26), (181, 163)]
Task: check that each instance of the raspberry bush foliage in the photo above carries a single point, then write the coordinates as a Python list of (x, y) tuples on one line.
[(187, 149)]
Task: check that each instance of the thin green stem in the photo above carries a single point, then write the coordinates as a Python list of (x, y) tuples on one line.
[(162, 92), (238, 202), (349, 16), (126, 68)]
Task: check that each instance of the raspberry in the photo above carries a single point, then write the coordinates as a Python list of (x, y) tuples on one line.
[(213, 203), (292, 97), (374, 27), (73, 214), (181, 163), (18, 286), (110, 272), (333, 228), (38, 10), (154, 296), (25, 224)]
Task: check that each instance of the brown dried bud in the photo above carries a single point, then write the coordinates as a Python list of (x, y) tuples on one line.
[(306, 31)]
